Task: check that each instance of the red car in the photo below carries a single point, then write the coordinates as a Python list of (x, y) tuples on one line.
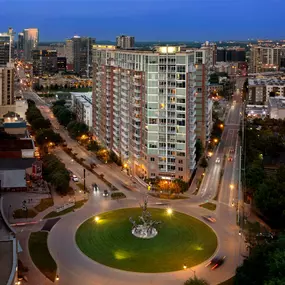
[(230, 158)]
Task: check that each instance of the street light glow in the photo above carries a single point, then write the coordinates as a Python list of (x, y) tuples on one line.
[(184, 266), (169, 211), (125, 165), (232, 186)]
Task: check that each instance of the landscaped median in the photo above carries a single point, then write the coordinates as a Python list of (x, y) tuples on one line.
[(40, 254), (209, 206), (118, 195), (54, 214)]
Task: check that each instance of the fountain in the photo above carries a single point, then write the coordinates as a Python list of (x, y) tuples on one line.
[(146, 227)]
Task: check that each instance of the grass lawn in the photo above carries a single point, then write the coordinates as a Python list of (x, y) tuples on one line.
[(21, 214), (209, 206), (44, 204), (40, 254), (78, 204), (181, 240), (167, 196)]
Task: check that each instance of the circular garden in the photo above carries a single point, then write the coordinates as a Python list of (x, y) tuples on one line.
[(181, 240)]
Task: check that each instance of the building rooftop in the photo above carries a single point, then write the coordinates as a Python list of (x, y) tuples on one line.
[(14, 125), (16, 145), (273, 81), (85, 98), (277, 102), (16, 163)]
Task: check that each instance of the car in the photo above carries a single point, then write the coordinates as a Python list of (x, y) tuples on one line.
[(232, 150), (75, 178), (216, 262), (95, 187), (105, 193), (218, 160), (209, 219), (230, 158)]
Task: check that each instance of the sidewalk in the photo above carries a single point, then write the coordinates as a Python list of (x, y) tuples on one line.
[(193, 186)]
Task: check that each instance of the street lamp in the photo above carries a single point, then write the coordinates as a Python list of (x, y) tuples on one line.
[(57, 278), (216, 140), (96, 219), (169, 211), (232, 186)]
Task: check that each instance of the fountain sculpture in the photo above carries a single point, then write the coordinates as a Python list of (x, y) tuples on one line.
[(146, 227)]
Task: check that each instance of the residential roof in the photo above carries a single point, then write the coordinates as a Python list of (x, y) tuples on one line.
[(277, 102), (15, 125), (15, 178), (16, 163), (18, 144)]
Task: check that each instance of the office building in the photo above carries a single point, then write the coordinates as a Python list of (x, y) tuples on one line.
[(44, 62), (82, 107), (31, 41), (69, 54), (125, 42), (79, 52), (61, 63), (276, 107), (265, 58), (260, 89), (20, 45), (232, 54), (145, 105), (7, 99), (6, 48)]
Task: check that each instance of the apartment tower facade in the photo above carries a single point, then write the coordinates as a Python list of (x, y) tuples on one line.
[(144, 108), (31, 41)]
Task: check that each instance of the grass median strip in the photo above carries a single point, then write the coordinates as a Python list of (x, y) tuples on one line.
[(22, 214), (54, 214), (209, 206), (41, 256)]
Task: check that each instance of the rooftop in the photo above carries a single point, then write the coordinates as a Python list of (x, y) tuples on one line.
[(14, 145), (273, 81), (277, 102), (16, 163)]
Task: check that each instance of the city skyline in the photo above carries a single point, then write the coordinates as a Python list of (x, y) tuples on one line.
[(147, 20)]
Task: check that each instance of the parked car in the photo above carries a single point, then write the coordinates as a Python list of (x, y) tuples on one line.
[(75, 178), (105, 193), (216, 262)]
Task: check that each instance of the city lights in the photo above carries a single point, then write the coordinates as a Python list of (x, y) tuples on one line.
[(96, 219), (169, 211)]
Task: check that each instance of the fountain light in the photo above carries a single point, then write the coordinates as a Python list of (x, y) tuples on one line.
[(169, 211), (97, 219)]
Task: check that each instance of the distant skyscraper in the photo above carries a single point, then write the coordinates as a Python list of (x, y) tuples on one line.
[(20, 45), (31, 41), (69, 54), (44, 62), (79, 50), (6, 47), (125, 42), (233, 54)]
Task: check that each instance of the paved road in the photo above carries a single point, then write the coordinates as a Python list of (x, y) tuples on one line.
[(75, 268)]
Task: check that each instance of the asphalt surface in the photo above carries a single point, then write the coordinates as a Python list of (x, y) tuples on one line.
[(75, 268)]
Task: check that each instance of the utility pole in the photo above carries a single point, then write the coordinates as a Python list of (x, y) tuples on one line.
[(84, 187)]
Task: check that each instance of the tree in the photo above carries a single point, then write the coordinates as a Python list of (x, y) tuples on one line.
[(199, 149), (77, 129), (183, 186), (265, 265), (204, 162), (94, 146), (40, 123), (45, 136), (196, 281), (64, 116), (61, 102)]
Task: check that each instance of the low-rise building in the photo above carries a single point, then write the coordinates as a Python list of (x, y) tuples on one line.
[(260, 89), (276, 107), (82, 107)]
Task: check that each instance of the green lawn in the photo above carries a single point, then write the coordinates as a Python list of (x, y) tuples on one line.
[(209, 206), (21, 214), (40, 254), (44, 204), (181, 240), (54, 214)]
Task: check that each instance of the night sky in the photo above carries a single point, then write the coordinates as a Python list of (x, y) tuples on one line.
[(147, 20)]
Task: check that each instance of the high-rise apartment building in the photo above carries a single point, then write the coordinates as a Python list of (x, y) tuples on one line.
[(44, 62), (69, 54), (6, 49), (125, 42), (232, 54), (31, 41), (79, 52), (20, 43), (7, 99), (265, 58), (145, 107)]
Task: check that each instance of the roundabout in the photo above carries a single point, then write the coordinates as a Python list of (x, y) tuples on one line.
[(181, 240)]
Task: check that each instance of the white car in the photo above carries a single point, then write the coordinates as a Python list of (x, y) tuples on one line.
[(75, 178), (218, 160)]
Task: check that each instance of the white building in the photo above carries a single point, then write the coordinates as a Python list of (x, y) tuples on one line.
[(81, 104), (276, 107)]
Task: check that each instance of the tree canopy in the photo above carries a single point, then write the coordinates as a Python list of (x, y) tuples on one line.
[(196, 281)]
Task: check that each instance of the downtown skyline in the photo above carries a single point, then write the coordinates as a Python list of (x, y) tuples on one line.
[(147, 20)]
